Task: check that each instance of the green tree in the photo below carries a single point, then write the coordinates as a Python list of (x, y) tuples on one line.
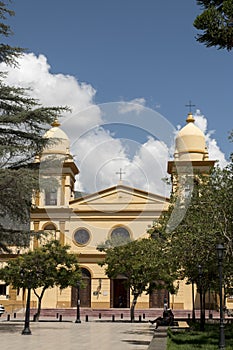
[(216, 23), (8, 54), (207, 222), (23, 122), (143, 263), (45, 267)]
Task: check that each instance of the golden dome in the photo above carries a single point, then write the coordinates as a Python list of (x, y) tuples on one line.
[(59, 140), (190, 142)]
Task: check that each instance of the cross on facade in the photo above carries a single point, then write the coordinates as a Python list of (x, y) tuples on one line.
[(120, 173), (190, 106)]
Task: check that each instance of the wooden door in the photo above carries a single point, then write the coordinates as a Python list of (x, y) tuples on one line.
[(85, 292), (120, 294), (158, 298)]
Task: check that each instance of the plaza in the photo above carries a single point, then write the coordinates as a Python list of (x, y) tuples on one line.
[(69, 335)]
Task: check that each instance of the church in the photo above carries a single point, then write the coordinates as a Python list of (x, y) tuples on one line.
[(83, 221)]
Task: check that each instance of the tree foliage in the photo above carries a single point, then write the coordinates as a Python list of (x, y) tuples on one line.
[(207, 222), (216, 23), (23, 122), (143, 264), (8, 54), (45, 267)]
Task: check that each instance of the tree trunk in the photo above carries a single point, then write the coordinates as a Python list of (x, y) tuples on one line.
[(132, 308), (40, 297), (202, 321)]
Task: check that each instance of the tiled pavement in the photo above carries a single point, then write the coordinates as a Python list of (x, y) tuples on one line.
[(96, 334), (72, 336)]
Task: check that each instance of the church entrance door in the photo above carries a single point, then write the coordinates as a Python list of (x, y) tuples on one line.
[(85, 293), (158, 298), (119, 294)]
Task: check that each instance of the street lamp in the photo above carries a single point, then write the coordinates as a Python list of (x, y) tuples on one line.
[(202, 316), (193, 302), (220, 252), (26, 330), (78, 303)]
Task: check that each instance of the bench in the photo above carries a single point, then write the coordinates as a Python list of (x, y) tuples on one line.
[(183, 324), (180, 326)]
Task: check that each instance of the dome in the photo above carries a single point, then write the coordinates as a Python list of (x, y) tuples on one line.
[(190, 142), (61, 142)]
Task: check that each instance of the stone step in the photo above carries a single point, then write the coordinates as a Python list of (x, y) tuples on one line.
[(160, 335)]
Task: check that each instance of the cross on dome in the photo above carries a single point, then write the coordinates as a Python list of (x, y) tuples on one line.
[(190, 106), (190, 118)]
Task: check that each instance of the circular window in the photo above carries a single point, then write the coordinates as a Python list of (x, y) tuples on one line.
[(120, 232), (82, 236)]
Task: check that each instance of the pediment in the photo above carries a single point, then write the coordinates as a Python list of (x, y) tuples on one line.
[(119, 198)]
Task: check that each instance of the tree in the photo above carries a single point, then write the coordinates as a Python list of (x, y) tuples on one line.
[(216, 22), (207, 222), (22, 125), (143, 263), (45, 267), (8, 54)]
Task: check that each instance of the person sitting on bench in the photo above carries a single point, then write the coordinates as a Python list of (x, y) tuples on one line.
[(166, 320)]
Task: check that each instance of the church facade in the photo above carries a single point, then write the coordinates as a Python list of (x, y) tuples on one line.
[(85, 221)]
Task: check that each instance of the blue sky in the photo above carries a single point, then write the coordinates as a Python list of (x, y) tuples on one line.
[(131, 49)]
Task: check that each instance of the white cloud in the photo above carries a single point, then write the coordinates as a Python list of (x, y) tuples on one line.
[(200, 121), (152, 158), (56, 90), (98, 153), (50, 89), (135, 105), (99, 157)]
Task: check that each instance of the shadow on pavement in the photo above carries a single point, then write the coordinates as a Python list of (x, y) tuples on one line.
[(11, 328), (137, 342)]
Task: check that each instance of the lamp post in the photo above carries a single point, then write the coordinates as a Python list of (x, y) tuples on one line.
[(78, 303), (26, 330), (202, 320), (220, 252), (193, 302)]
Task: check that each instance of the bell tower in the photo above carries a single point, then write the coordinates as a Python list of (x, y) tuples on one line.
[(57, 170), (191, 155)]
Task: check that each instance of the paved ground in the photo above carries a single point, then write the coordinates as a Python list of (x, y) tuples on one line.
[(159, 340), (84, 336)]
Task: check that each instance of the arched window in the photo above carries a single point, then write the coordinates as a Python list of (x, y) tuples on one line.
[(51, 230), (50, 227)]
